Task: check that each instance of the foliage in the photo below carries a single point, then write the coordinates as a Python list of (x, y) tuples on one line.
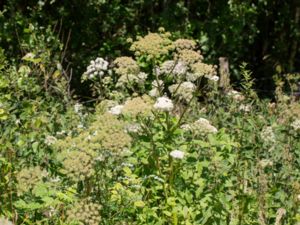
[(263, 33), (162, 144)]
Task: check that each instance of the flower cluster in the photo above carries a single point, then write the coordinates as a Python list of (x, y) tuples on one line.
[(178, 68), (164, 104), (110, 133), (188, 56), (268, 135), (296, 124), (84, 212), (126, 65), (129, 72), (177, 154), (181, 44), (138, 106), (290, 113), (96, 68), (200, 127), (106, 133), (184, 90), (78, 165), (200, 69), (153, 45), (28, 177)]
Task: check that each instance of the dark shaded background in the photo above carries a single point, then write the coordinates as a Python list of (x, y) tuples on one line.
[(263, 33)]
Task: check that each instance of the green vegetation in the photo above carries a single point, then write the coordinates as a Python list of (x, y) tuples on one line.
[(124, 129)]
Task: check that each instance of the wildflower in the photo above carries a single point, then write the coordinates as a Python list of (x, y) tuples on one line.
[(126, 65), (172, 67), (138, 106), (164, 104), (77, 165), (203, 125), (186, 127), (177, 154), (84, 212), (181, 44), (142, 77), (296, 124), (188, 56), (96, 68), (184, 90), (268, 135), (200, 69), (127, 80), (153, 45), (116, 110), (110, 134), (298, 197), (28, 177)]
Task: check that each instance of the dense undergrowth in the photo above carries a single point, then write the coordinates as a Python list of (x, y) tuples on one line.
[(162, 144)]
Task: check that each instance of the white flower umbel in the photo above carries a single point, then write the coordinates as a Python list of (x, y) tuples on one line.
[(203, 125), (164, 104), (296, 124), (116, 110), (268, 135), (186, 127), (171, 67), (184, 90), (97, 68), (177, 154), (142, 76)]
